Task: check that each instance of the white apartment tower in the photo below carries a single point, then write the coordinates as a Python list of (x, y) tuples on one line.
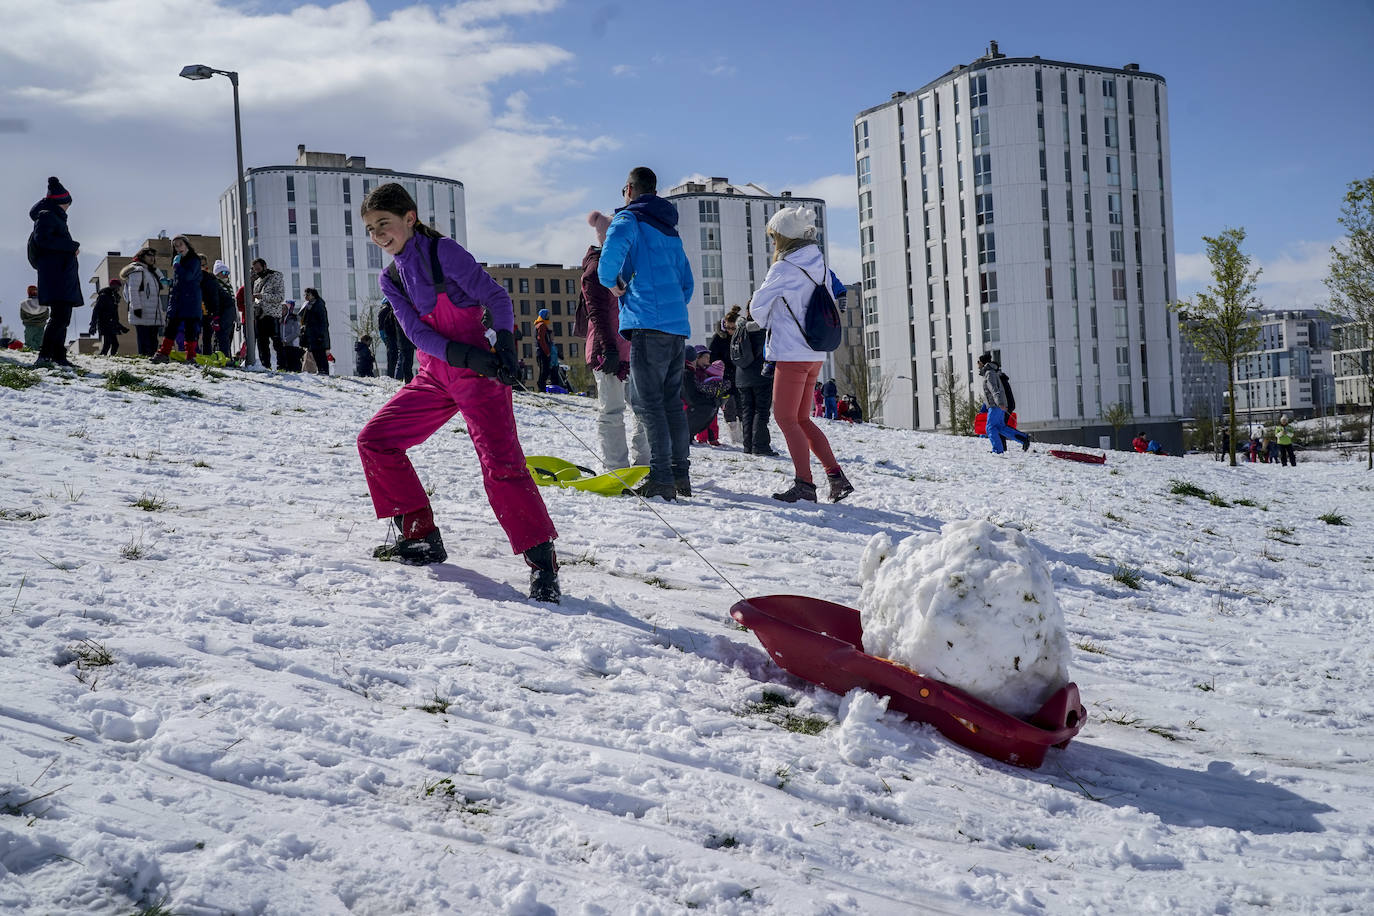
[(303, 220), (723, 234), (1022, 206)]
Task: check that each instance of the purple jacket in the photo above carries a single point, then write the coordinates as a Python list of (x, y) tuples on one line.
[(467, 285)]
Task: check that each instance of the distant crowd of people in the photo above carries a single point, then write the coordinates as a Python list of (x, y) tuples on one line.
[(1261, 445)]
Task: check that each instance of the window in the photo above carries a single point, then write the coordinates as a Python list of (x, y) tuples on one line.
[(920, 114), (987, 287), (865, 205), (708, 211), (348, 190), (352, 287), (348, 254), (296, 286), (987, 248), (982, 207), (558, 328), (315, 255), (374, 257), (319, 281), (525, 309), (348, 222), (556, 306), (981, 135), (867, 243), (860, 136), (569, 286), (923, 152), (978, 91), (982, 170), (1114, 209), (712, 292), (1044, 173), (1113, 170), (1087, 207), (1039, 89), (291, 220), (1046, 231), (870, 278), (711, 266), (295, 253), (314, 197), (1118, 244), (314, 221), (290, 189), (1109, 129), (1090, 244), (1049, 283), (1119, 285), (1044, 204), (538, 285), (710, 238), (524, 284), (509, 284), (865, 173), (1109, 93)]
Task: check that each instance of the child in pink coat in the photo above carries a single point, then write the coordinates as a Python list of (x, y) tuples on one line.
[(444, 302)]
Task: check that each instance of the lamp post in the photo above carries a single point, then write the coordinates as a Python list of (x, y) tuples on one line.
[(202, 72)]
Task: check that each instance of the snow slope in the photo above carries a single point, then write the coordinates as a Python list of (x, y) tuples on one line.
[(286, 726)]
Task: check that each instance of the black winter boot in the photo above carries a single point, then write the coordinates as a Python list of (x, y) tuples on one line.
[(683, 485), (840, 487), (543, 563), (420, 551), (800, 489), (651, 488)]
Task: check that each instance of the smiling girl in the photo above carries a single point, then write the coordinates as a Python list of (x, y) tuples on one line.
[(444, 301)]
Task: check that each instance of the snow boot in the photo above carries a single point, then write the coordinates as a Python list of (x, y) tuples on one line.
[(651, 488), (800, 489), (1025, 443), (840, 487), (543, 563), (683, 486), (190, 352), (418, 542), (164, 352)]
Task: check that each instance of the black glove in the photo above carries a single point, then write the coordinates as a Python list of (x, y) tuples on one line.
[(610, 361), (478, 359), (509, 370)]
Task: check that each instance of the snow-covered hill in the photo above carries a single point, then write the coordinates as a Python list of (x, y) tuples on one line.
[(213, 699)]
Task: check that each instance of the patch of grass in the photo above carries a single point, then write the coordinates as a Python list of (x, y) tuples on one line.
[(1207, 686), (804, 725), (1216, 500), (771, 702), (91, 654), (775, 708), (436, 706), (721, 841), (1245, 501), (1333, 518), (1087, 645), (199, 463), (160, 908), (657, 582), (77, 433), (784, 775), (17, 377), (1128, 576), (445, 790), (1184, 488), (21, 515), (1114, 517), (586, 559), (149, 503), (132, 381), (134, 549)]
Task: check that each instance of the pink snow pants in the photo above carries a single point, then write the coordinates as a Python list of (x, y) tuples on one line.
[(792, 383), (429, 401)]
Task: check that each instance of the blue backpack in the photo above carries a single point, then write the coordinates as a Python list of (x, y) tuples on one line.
[(821, 329)]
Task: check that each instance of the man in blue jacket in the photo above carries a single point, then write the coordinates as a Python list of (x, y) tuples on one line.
[(643, 263)]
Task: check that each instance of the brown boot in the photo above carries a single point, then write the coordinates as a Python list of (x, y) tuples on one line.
[(800, 489)]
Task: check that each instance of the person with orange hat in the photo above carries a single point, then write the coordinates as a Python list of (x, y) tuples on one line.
[(34, 315)]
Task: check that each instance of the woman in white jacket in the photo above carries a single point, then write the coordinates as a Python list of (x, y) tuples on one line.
[(141, 288), (780, 306)]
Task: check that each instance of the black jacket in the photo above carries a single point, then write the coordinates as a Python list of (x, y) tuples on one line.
[(315, 326), (54, 255), (751, 376), (105, 315), (365, 362)]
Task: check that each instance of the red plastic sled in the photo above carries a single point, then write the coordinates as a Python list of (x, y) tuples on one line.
[(980, 422), (822, 642), (1085, 457)]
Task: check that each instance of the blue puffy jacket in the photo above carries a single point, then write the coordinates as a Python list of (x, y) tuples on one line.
[(644, 250), (186, 293)]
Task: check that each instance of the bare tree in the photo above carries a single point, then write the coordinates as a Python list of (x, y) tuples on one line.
[(958, 400), (1221, 322), (857, 380), (1351, 281), (366, 322), (1118, 415)]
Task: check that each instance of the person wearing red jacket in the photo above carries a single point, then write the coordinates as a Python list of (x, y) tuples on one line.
[(608, 356)]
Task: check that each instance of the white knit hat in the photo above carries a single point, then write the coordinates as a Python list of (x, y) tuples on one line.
[(794, 223), (221, 267)]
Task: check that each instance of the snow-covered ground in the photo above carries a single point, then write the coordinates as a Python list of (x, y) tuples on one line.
[(213, 699)]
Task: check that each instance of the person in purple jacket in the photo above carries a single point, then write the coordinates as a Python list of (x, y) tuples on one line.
[(444, 301)]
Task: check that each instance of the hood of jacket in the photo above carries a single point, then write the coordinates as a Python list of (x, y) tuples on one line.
[(655, 211), (591, 259), (47, 206)]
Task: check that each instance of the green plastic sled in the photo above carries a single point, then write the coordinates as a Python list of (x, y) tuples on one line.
[(548, 471)]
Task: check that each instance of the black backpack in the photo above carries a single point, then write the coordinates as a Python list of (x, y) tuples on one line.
[(33, 251), (822, 329), (1006, 386), (742, 347)]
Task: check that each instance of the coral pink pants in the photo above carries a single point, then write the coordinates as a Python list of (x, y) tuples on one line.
[(793, 384), (429, 401)]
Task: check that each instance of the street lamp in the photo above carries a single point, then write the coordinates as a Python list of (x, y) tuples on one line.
[(202, 72)]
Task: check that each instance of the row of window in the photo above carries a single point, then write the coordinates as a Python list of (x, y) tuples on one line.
[(568, 284)]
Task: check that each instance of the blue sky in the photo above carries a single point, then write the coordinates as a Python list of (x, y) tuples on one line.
[(540, 107)]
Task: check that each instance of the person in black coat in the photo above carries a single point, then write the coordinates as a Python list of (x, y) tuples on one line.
[(754, 384), (315, 330), (365, 361), (52, 252), (105, 318)]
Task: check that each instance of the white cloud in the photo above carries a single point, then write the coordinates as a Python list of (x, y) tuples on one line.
[(624, 70), (838, 191), (1291, 279)]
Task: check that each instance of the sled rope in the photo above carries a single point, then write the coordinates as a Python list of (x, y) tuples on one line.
[(542, 401)]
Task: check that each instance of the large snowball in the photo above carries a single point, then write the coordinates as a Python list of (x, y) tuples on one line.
[(973, 607)]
